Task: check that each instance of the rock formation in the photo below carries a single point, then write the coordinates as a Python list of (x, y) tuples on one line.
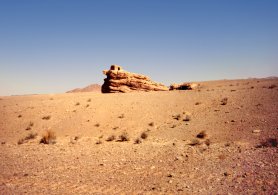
[(183, 86), (119, 80)]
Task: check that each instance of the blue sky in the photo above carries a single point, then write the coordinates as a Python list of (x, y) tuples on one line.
[(53, 46)]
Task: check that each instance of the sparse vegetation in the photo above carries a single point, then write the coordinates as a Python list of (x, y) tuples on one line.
[(30, 136), (111, 138), (207, 142), (272, 86), (97, 125), (270, 142), (197, 103), (87, 105), (224, 101), (151, 124), (46, 117), (194, 142), (138, 141), (144, 135), (19, 116), (122, 116), (89, 100), (77, 104), (187, 118), (29, 127), (49, 137), (177, 116), (202, 135), (123, 137), (99, 142)]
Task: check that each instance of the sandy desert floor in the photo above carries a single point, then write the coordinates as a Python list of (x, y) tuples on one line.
[(218, 139)]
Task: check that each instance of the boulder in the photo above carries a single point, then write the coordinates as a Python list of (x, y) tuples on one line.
[(119, 80)]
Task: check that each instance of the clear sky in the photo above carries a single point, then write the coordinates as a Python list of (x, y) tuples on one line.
[(51, 46)]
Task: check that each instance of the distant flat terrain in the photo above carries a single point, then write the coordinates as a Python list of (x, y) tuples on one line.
[(220, 138)]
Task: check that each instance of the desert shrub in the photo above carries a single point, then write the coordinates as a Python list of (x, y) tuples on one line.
[(122, 116), (19, 116), (194, 142), (224, 101), (144, 135), (123, 137), (77, 104), (270, 142), (177, 116), (197, 103), (46, 117), (151, 124), (20, 141), (115, 128), (31, 124), (97, 125), (187, 118), (48, 137), (202, 135), (30, 136), (207, 142), (87, 105), (111, 138), (138, 141), (98, 142), (89, 100), (272, 86)]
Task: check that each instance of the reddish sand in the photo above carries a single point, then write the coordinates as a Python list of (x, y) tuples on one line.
[(238, 154)]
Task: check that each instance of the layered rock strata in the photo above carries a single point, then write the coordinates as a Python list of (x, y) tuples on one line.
[(119, 80)]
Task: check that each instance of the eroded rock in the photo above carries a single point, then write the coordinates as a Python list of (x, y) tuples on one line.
[(119, 80)]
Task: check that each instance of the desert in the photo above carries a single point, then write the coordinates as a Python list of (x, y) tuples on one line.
[(219, 138)]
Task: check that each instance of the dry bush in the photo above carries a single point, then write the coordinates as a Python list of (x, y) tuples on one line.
[(144, 135), (224, 101), (122, 116), (194, 142), (207, 142), (30, 136), (48, 137), (138, 141), (272, 86), (123, 137), (177, 116), (111, 138), (31, 124), (99, 142), (187, 118), (270, 142), (202, 135), (46, 117)]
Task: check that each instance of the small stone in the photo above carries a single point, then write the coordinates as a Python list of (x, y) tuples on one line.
[(170, 181), (256, 131), (226, 174)]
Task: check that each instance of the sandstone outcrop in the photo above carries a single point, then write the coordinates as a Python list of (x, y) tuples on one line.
[(119, 80), (183, 86)]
